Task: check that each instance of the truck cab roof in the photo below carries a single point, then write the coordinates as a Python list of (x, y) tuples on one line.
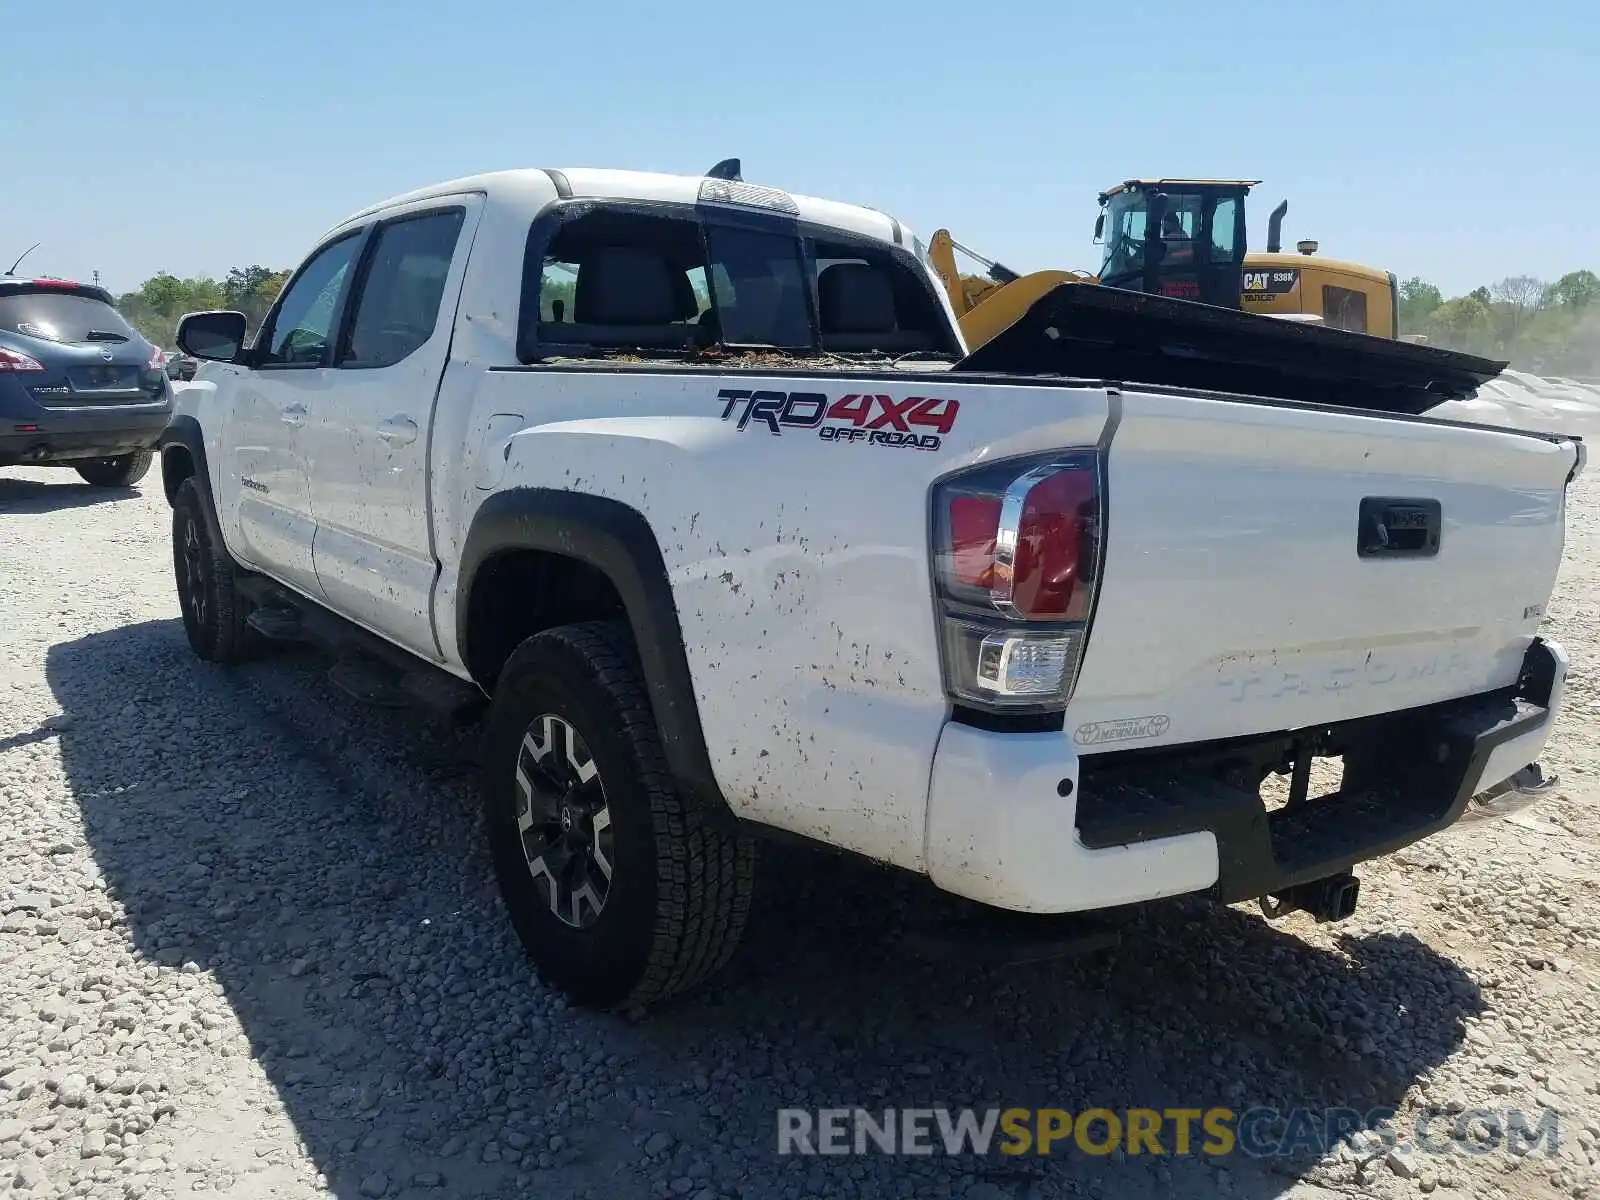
[(1127, 184), (531, 186)]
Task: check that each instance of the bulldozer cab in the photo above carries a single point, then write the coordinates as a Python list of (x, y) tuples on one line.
[(1183, 238)]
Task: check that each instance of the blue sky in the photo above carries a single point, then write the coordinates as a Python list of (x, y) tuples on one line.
[(1457, 141)]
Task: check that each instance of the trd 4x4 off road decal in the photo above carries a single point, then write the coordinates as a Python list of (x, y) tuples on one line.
[(874, 420)]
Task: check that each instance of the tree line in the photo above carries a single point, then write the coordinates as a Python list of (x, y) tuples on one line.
[(1541, 327), (154, 308)]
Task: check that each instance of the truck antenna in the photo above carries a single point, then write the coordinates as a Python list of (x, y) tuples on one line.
[(727, 169), (22, 256)]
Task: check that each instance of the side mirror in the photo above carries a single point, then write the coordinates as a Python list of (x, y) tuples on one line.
[(215, 336), (1099, 228)]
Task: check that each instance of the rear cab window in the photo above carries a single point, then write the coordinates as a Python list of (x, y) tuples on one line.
[(57, 315), (666, 281)]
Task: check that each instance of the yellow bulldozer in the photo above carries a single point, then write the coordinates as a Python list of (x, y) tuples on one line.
[(1185, 239)]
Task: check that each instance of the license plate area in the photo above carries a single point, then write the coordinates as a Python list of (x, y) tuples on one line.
[(104, 379), (1399, 527)]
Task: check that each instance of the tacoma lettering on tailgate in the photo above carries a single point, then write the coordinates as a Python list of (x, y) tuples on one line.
[(1264, 683)]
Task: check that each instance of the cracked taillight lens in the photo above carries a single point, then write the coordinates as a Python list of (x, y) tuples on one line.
[(1016, 559)]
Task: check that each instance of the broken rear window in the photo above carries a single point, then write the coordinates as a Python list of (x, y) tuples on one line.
[(615, 278)]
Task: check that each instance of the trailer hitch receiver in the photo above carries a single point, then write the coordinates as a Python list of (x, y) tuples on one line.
[(1332, 898)]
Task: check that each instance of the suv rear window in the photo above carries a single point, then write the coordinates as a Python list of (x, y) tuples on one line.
[(55, 316)]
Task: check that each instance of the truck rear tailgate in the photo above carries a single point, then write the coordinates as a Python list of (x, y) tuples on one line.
[(1273, 567)]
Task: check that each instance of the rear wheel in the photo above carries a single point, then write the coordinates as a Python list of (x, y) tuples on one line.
[(623, 890), (124, 470), (213, 611)]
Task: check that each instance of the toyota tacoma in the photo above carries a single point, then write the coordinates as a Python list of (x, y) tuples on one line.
[(689, 490)]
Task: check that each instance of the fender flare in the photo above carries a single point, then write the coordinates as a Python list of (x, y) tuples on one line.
[(184, 431), (616, 540)]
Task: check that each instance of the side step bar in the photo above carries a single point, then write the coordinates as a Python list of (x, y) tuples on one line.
[(368, 668)]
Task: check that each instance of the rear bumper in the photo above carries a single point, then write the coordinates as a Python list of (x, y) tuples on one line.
[(1131, 827), (61, 435)]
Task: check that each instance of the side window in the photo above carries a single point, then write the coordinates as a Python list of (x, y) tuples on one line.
[(306, 318), (1223, 219), (398, 305), (1344, 309)]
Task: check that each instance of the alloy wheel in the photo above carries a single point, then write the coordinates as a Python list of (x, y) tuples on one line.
[(563, 820), (194, 563)]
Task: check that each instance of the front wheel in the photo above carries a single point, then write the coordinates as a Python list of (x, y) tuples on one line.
[(124, 470), (623, 890), (208, 598)]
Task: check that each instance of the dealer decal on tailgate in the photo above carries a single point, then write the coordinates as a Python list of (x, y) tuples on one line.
[(915, 422)]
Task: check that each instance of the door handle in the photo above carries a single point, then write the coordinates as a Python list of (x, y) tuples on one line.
[(398, 431), (295, 415)]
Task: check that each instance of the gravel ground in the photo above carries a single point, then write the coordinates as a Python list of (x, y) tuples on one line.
[(249, 945)]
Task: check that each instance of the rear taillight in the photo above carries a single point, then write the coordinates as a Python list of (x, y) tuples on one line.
[(15, 360), (1016, 561), (158, 361)]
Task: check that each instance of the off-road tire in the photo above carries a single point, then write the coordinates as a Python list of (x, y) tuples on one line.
[(124, 470), (681, 876), (213, 619)]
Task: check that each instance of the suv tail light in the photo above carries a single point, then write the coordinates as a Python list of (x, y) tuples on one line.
[(158, 360), (15, 360), (1016, 561)]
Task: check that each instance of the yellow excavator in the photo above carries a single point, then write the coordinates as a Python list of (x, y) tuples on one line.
[(985, 304), (1185, 239)]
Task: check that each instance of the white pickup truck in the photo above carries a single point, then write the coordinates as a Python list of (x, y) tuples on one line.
[(690, 487)]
